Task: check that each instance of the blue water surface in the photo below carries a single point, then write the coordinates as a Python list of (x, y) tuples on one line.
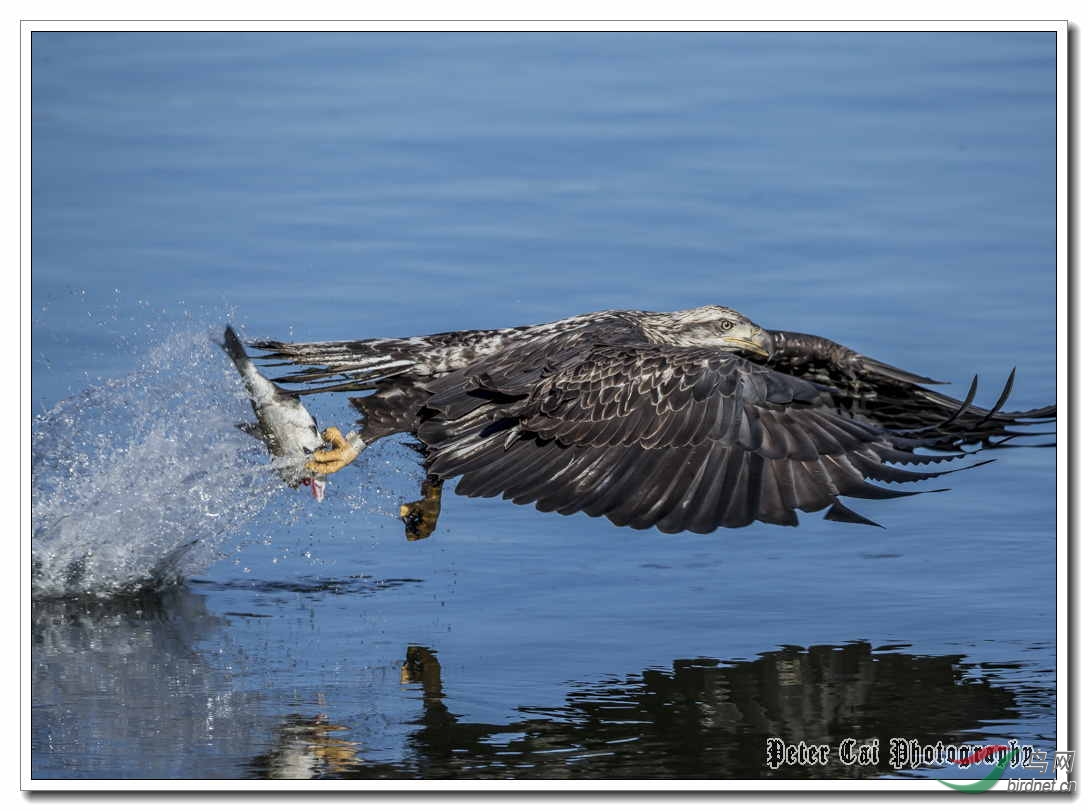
[(892, 191)]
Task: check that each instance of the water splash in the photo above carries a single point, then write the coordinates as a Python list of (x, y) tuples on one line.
[(138, 482)]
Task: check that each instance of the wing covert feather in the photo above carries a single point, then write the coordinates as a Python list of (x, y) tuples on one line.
[(677, 438)]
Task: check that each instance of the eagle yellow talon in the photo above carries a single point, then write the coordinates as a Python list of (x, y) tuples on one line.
[(341, 454)]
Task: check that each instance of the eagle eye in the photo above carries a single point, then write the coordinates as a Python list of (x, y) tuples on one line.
[(727, 325)]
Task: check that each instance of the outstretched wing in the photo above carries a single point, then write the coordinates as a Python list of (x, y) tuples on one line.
[(677, 438), (896, 399)]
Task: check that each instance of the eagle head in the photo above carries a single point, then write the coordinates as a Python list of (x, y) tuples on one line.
[(712, 326)]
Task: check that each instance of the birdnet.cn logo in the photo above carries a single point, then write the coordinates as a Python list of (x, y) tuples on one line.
[(988, 763)]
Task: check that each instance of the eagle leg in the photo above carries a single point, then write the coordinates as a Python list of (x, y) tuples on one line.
[(421, 517), (343, 451)]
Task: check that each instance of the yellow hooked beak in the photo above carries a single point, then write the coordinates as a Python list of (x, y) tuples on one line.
[(752, 339)]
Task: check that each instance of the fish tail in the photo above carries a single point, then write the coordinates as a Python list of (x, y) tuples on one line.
[(236, 351), (261, 390)]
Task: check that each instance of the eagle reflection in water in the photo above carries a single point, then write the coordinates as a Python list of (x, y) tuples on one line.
[(703, 719)]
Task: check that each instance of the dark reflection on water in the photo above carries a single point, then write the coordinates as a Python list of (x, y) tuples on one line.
[(704, 718), (353, 584), (152, 685)]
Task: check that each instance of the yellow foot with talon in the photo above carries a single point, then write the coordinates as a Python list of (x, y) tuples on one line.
[(421, 517), (341, 455)]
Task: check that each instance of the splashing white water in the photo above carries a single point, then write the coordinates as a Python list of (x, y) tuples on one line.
[(138, 481)]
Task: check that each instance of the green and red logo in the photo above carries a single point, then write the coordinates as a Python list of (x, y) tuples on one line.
[(990, 780)]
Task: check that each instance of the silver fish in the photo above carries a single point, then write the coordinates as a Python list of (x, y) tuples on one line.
[(283, 423)]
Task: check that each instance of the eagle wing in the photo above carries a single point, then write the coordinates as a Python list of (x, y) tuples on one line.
[(651, 435), (868, 389)]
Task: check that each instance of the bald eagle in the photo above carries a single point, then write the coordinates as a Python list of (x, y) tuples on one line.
[(688, 420)]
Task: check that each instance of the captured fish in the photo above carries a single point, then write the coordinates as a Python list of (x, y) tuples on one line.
[(283, 423)]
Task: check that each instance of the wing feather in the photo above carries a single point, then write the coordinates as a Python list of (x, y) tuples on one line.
[(681, 439), (877, 393)]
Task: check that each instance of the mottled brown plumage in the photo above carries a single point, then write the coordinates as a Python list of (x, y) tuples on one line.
[(690, 420)]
